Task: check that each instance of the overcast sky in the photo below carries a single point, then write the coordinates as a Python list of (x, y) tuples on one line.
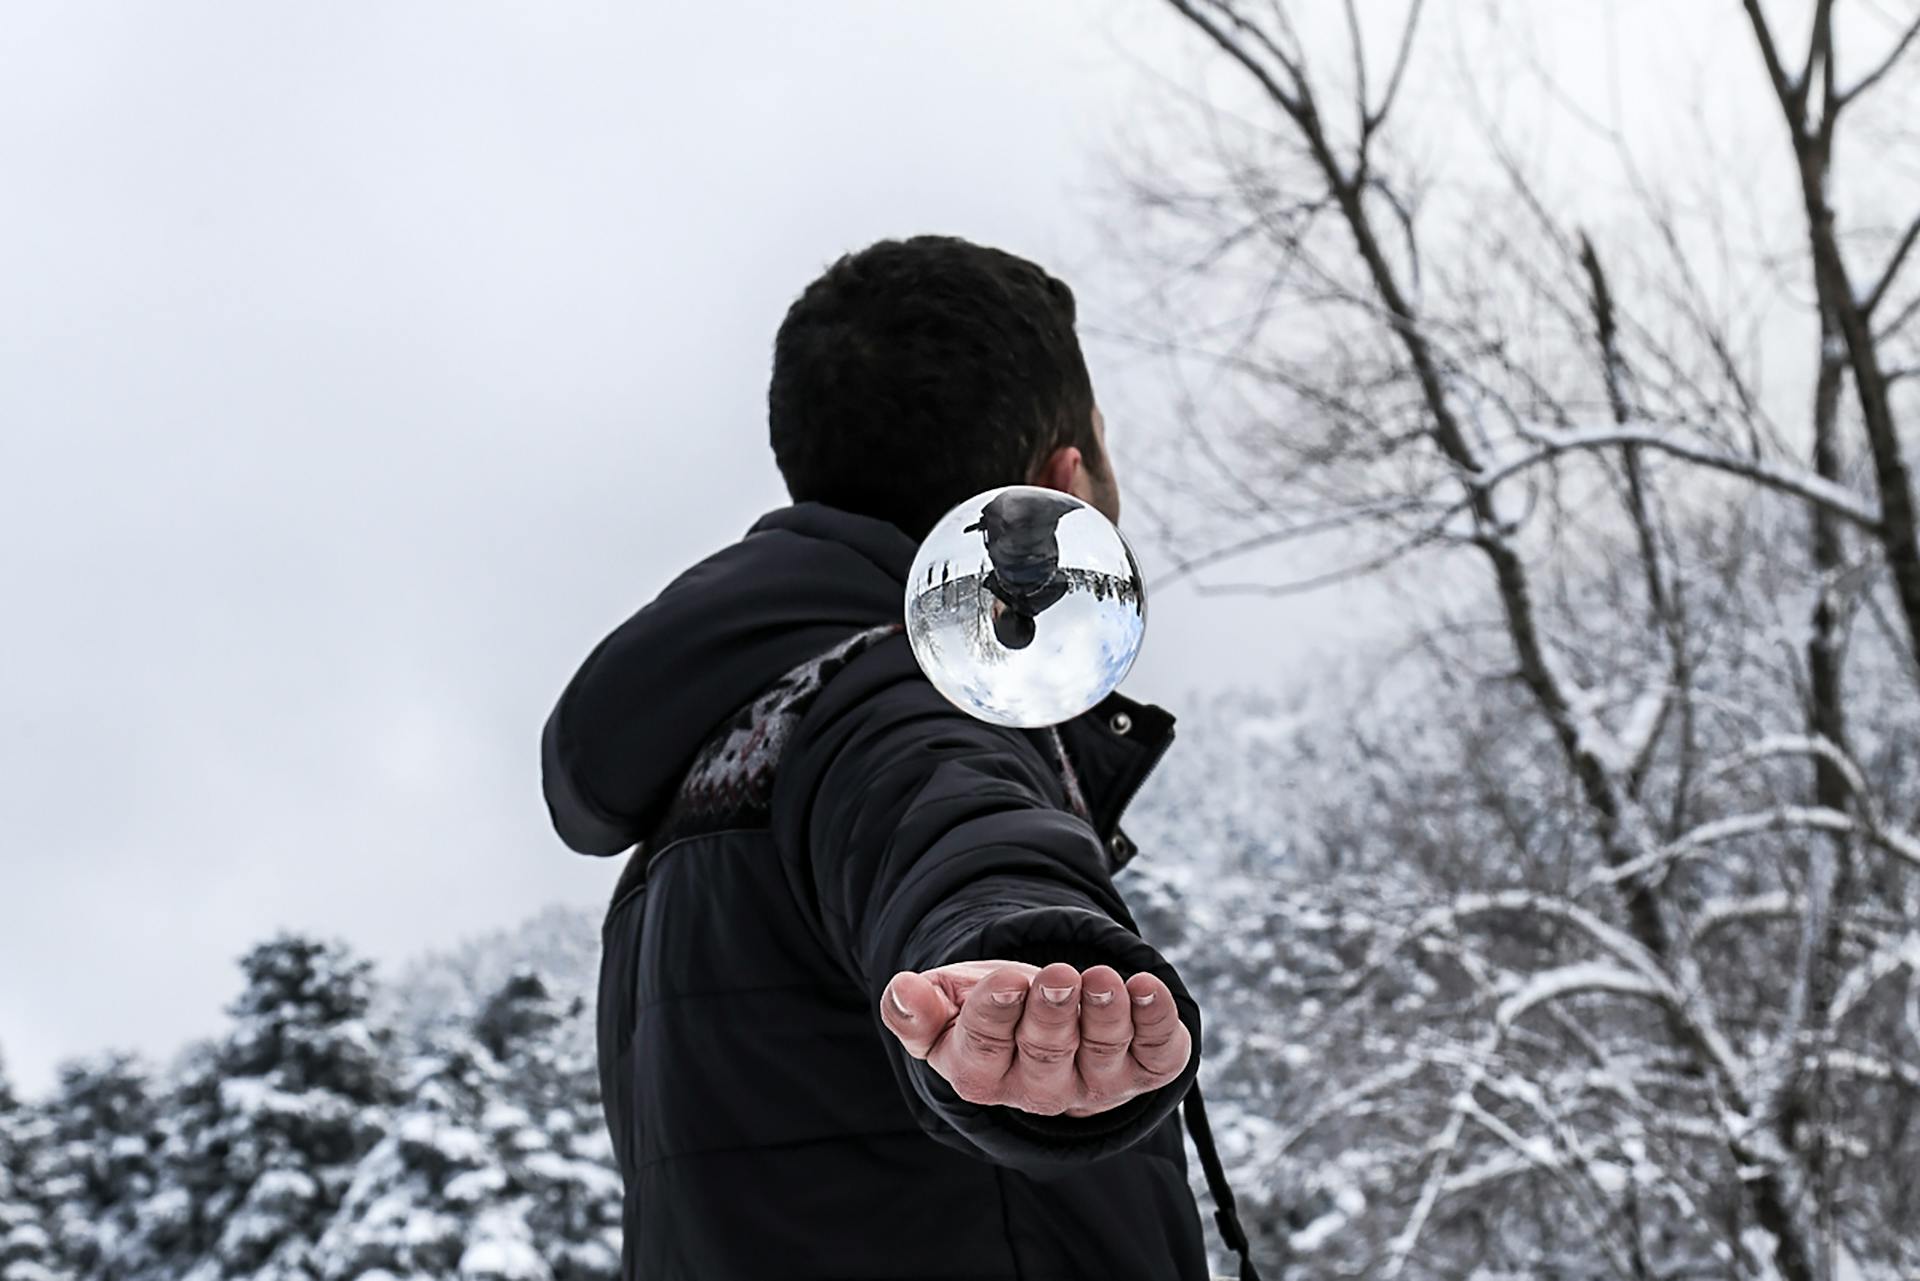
[(361, 365)]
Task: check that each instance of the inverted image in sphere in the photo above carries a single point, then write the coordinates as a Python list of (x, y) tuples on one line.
[(1025, 607)]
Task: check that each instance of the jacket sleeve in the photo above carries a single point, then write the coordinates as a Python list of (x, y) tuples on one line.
[(925, 837)]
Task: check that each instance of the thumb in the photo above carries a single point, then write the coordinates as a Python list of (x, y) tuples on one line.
[(916, 1011)]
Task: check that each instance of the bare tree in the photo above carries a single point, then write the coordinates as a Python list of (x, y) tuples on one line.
[(1491, 389)]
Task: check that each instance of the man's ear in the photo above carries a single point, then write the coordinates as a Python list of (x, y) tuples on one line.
[(1061, 469)]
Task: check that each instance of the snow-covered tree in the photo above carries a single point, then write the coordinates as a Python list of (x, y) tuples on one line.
[(1595, 952), (439, 993), (301, 1144), (28, 1251), (421, 1196), (103, 1129), (550, 1131), (266, 1125)]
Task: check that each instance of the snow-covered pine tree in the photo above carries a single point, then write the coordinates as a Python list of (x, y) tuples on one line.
[(265, 1127), (427, 1190), (27, 1249), (99, 1160), (549, 1129)]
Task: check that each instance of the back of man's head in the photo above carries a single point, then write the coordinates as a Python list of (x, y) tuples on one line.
[(914, 374)]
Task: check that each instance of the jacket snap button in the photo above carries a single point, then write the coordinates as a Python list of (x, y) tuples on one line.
[(1117, 843), (1121, 722)]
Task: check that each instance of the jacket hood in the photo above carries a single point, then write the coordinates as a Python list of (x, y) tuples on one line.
[(629, 723)]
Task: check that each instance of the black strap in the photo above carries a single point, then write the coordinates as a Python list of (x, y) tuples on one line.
[(1223, 1212)]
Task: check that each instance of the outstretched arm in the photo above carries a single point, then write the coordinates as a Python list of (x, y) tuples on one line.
[(944, 868)]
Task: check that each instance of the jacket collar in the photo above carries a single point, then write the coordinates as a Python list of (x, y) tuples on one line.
[(1113, 747)]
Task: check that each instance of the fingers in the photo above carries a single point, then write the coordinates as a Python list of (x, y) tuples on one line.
[(914, 1010), (975, 1055), (1161, 1044), (1046, 1039), (1107, 1071), (956, 980)]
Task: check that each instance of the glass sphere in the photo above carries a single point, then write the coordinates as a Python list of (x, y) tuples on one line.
[(1025, 606)]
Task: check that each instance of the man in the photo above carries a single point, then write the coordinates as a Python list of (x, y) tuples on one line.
[(1021, 529), (870, 1005)]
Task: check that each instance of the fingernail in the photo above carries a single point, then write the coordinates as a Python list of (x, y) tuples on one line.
[(1144, 998), (1006, 998), (1057, 995), (1099, 998), (894, 996)]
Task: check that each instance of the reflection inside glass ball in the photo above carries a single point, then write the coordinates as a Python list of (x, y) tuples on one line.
[(1025, 606)]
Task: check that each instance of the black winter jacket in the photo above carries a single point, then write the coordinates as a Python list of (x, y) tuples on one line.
[(811, 817)]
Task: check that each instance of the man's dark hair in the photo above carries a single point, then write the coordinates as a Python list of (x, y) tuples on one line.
[(916, 373)]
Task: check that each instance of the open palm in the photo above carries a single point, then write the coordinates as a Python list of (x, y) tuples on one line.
[(1044, 1039)]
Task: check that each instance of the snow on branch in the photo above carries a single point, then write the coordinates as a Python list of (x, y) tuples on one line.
[(1448, 917), (1378, 1083), (1622, 947), (1903, 952), (1657, 862), (1493, 1170), (1642, 726), (1776, 745), (1902, 845), (1808, 486), (1721, 912), (1864, 1066), (1583, 976)]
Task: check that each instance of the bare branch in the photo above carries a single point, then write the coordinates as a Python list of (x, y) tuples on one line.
[(1286, 101), (1900, 320), (1368, 566), (1885, 65), (1820, 58), (1791, 92), (1879, 291), (1400, 59), (1359, 72), (1357, 514)]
